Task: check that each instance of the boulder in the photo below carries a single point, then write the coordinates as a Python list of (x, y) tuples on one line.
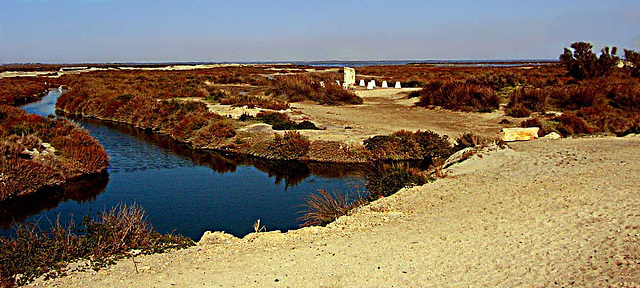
[(519, 134), (552, 136)]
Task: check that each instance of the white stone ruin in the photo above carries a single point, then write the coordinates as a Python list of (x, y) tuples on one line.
[(398, 85), (384, 84), (321, 83), (349, 76), (338, 81), (362, 83), (371, 85)]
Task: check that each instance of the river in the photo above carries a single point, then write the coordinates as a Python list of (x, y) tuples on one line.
[(183, 190)]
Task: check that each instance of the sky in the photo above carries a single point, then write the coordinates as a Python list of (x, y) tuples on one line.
[(83, 31)]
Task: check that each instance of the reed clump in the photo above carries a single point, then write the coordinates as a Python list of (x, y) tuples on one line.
[(31, 253)]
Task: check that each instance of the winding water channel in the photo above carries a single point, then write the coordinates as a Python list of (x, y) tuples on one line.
[(183, 190)]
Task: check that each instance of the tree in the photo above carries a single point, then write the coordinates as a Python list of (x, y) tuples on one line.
[(633, 58), (582, 63)]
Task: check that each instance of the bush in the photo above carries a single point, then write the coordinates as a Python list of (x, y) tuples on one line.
[(459, 96), (386, 179), (280, 121), (325, 207), (32, 253), (533, 99), (291, 146), (405, 145), (570, 124), (305, 87), (518, 111)]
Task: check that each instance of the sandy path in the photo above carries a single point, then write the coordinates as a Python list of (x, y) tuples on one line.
[(545, 213)]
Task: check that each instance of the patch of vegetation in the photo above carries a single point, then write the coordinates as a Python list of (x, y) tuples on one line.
[(459, 96), (385, 179), (17, 90), (292, 145), (32, 253), (252, 101), (325, 207), (303, 87), (406, 145), (36, 152), (280, 121)]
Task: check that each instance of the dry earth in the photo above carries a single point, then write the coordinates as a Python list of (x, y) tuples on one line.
[(384, 111), (543, 213)]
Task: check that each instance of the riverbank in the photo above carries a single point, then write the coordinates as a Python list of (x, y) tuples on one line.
[(38, 153), (543, 213)]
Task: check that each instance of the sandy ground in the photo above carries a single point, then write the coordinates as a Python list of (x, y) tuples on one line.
[(543, 213), (384, 111)]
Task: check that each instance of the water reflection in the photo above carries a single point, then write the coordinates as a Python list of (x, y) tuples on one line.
[(291, 172), (85, 189), (175, 184)]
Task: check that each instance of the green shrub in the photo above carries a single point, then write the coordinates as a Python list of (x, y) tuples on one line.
[(386, 179), (405, 145)]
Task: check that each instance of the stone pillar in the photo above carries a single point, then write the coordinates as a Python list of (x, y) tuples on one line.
[(398, 86), (362, 82), (370, 85), (384, 84), (349, 76)]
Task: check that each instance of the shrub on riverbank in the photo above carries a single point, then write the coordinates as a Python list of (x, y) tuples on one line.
[(291, 146), (386, 179), (406, 145), (32, 253), (325, 207), (36, 152), (17, 90)]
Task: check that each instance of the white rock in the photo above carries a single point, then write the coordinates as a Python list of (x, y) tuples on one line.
[(552, 136), (384, 84), (373, 83), (362, 82), (519, 134), (217, 238), (321, 83), (398, 86)]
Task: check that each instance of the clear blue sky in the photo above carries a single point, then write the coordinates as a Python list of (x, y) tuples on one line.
[(273, 30)]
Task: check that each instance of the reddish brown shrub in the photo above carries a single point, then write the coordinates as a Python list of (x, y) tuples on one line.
[(459, 96), (570, 124)]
